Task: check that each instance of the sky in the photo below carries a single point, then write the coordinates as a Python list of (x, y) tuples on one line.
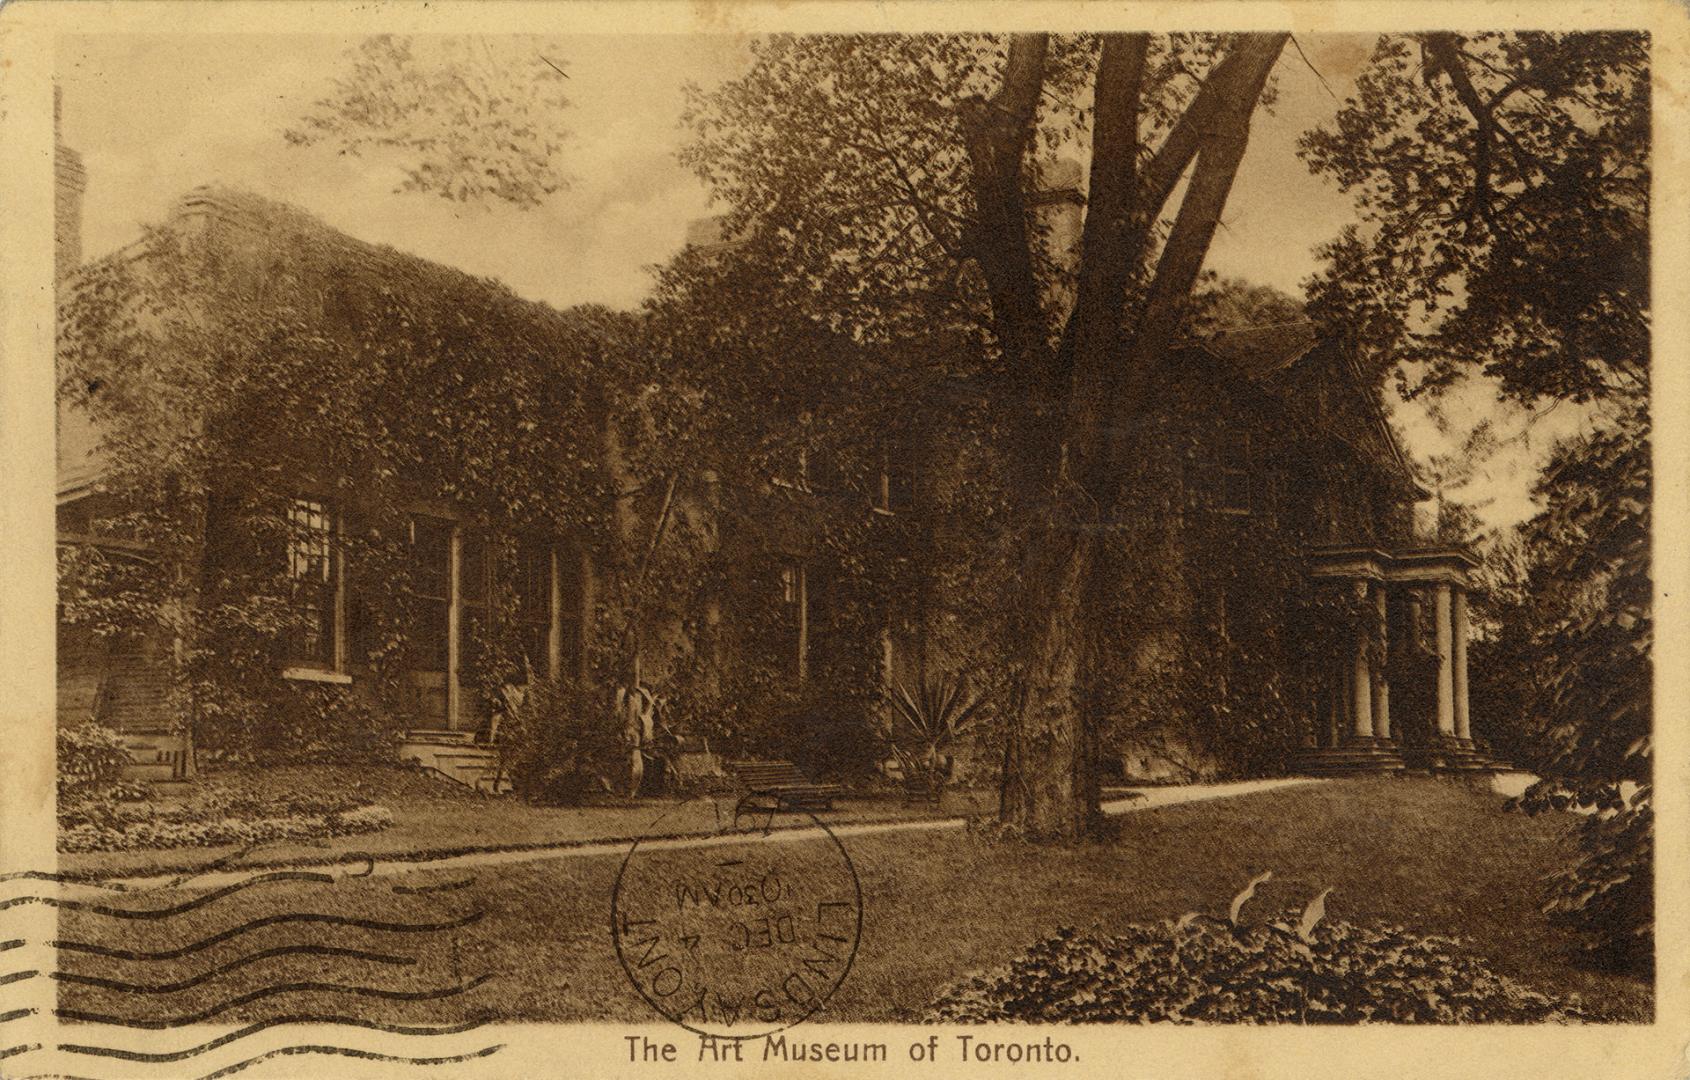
[(154, 116)]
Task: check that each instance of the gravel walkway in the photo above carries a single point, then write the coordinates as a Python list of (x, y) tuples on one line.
[(1139, 799)]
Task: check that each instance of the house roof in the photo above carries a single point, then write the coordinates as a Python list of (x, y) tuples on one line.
[(1266, 353)]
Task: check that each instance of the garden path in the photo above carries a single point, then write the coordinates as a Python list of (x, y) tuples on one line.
[(1127, 801)]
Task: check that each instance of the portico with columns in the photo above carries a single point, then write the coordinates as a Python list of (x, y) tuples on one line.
[(1352, 726)]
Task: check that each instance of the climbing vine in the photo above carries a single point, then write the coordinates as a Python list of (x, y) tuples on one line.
[(244, 357)]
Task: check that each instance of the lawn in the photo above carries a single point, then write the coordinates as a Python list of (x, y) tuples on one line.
[(434, 816), (1432, 855)]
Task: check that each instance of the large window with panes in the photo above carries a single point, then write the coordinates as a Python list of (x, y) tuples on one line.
[(314, 576)]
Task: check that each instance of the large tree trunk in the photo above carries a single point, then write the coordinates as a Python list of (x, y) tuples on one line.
[(1070, 478), (1050, 769)]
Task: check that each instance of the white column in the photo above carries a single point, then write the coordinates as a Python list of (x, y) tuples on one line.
[(554, 627), (1446, 666), (1361, 693), (454, 620), (1381, 685), (1458, 681)]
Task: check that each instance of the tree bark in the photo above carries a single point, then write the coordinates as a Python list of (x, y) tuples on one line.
[(1050, 784)]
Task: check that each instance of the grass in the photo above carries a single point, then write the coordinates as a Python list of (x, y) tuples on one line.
[(1435, 856), (433, 815)]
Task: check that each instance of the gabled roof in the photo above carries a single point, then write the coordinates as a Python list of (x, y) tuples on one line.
[(1265, 353)]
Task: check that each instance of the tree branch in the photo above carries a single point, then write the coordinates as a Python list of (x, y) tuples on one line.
[(1112, 242), (1235, 97), (997, 133)]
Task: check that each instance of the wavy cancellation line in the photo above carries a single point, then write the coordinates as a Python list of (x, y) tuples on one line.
[(432, 994), (266, 1025), (270, 920), (179, 909), (233, 965), (289, 1051)]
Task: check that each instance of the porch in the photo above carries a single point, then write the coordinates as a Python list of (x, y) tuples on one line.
[(1351, 727)]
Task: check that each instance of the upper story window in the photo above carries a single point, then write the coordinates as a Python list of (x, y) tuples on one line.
[(1235, 473), (314, 571), (1222, 477)]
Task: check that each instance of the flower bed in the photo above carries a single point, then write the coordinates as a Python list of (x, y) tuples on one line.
[(167, 832), (217, 817)]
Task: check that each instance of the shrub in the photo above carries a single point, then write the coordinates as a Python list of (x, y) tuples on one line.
[(1607, 894), (323, 723), (1201, 969), (91, 759), (561, 743), (927, 724)]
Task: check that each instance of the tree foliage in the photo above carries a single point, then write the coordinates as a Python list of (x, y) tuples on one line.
[(1504, 184), (1503, 180), (465, 118), (908, 228)]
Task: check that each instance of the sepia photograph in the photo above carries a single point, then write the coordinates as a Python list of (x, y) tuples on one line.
[(728, 534)]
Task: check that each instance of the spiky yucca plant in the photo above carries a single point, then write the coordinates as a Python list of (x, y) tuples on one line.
[(927, 722)]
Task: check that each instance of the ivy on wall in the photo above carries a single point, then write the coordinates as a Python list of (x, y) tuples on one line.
[(245, 356)]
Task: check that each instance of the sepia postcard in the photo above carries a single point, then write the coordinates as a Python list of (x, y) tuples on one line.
[(657, 539)]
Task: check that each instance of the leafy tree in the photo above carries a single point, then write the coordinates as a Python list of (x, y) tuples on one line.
[(1219, 303), (469, 118), (909, 214), (885, 183), (1503, 180)]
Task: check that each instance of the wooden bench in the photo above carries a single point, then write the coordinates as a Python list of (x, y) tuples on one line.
[(791, 789)]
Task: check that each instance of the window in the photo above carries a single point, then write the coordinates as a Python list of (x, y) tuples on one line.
[(795, 629), (431, 557), (313, 572), (533, 586), (1235, 473)]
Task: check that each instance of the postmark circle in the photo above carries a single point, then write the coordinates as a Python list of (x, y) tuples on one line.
[(741, 932)]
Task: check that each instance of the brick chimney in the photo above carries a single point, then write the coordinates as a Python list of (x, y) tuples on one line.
[(70, 180)]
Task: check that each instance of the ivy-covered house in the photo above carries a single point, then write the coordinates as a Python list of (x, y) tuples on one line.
[(1286, 612), (319, 496), (313, 491)]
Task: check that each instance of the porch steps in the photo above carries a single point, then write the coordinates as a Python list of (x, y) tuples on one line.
[(456, 756), (1352, 760), (1364, 758), (1455, 756), (154, 756)]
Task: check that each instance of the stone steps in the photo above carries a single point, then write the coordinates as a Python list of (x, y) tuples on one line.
[(1348, 760), (456, 756), (1363, 758)]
